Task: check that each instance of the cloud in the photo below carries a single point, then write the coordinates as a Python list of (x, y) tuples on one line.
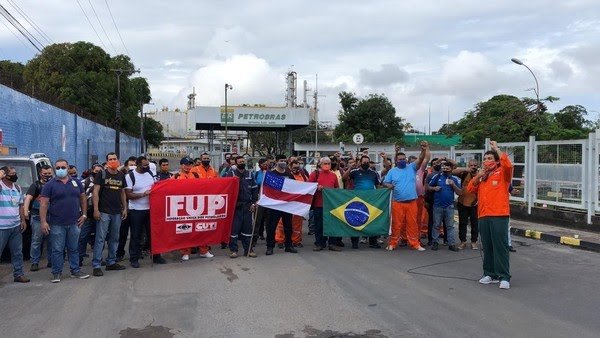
[(387, 75)]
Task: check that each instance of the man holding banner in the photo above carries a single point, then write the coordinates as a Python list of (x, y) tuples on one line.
[(244, 208)]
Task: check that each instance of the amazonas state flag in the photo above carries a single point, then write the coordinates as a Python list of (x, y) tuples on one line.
[(354, 213)]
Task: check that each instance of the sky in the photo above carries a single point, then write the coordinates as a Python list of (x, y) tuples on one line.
[(441, 55)]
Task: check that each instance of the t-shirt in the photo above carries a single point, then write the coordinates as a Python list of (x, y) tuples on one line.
[(327, 179), (364, 179), (10, 199), (445, 197), (467, 198), (143, 182), (404, 181), (110, 192), (64, 201), (34, 191)]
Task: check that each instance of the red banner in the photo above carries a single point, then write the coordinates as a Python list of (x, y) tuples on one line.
[(192, 212)]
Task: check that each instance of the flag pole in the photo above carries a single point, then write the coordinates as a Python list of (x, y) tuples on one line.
[(254, 213)]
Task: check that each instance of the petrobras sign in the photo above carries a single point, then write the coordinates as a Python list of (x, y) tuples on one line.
[(250, 116)]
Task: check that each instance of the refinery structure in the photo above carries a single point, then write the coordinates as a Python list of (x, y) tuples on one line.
[(225, 128)]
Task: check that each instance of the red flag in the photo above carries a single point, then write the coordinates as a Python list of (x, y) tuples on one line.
[(190, 213)]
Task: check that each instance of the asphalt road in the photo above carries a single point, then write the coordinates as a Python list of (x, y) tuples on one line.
[(358, 293)]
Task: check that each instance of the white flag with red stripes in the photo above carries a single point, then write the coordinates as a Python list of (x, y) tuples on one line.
[(285, 194)]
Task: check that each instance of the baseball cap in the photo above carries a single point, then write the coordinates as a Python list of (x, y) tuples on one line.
[(186, 160)]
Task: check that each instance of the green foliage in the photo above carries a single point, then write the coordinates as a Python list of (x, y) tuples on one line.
[(506, 118), (153, 131), (11, 74), (374, 117), (80, 76)]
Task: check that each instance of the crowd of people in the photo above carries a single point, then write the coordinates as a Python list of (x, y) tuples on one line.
[(110, 204)]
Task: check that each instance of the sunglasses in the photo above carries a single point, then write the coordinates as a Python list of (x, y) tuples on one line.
[(58, 168)]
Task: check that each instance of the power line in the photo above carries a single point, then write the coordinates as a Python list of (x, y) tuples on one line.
[(31, 22), (17, 36), (90, 22), (101, 26), (114, 23), (13, 21)]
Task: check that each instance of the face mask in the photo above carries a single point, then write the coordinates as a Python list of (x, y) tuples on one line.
[(12, 178), (301, 166), (295, 170), (365, 166), (489, 165), (437, 167), (473, 170), (281, 165), (145, 169), (61, 173), (46, 178), (326, 167), (206, 163), (74, 176), (233, 167), (241, 166), (401, 164), (114, 165), (132, 167)]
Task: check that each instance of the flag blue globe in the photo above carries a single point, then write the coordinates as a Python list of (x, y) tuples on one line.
[(356, 214)]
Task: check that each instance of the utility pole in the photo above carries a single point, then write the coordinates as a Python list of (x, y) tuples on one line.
[(230, 87), (316, 95), (118, 73)]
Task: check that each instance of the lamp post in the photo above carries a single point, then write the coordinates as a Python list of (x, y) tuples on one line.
[(227, 86), (537, 86)]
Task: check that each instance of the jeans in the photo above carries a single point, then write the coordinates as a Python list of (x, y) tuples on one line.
[(466, 214), (13, 238), (137, 222), (123, 233), (61, 236), (241, 228), (37, 240), (445, 215), (88, 228), (107, 229), (320, 240)]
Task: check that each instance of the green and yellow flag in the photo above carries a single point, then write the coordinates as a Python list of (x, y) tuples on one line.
[(354, 213)]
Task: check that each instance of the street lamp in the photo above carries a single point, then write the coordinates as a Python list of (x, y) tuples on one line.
[(537, 86), (227, 86)]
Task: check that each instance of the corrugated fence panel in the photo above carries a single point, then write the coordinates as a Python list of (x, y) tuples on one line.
[(33, 126)]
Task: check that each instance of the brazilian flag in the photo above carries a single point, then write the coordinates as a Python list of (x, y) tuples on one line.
[(354, 213)]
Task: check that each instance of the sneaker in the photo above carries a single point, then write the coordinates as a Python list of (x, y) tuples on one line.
[(115, 267), (389, 248), (462, 245), (310, 233), (269, 251), (363, 240), (474, 246), (34, 267), (488, 280), (380, 240), (291, 249), (318, 248), (206, 255), (233, 254), (445, 243), (504, 285), (21, 279), (55, 278), (135, 264), (335, 248), (185, 258), (435, 246), (298, 245), (420, 248), (80, 275), (280, 245), (453, 248), (251, 254), (340, 244), (159, 260), (119, 258), (98, 272), (511, 249)]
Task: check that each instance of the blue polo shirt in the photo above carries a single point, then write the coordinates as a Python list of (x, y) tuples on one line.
[(404, 181), (445, 197), (364, 179), (64, 205)]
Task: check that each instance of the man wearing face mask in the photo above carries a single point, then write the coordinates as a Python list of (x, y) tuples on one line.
[(492, 188), (88, 230), (467, 206), (31, 209), (12, 221), (204, 170), (261, 212), (444, 186), (436, 169), (296, 220), (63, 210), (281, 169), (138, 186), (324, 179), (402, 180), (124, 230), (364, 178), (244, 208), (110, 208), (73, 172)]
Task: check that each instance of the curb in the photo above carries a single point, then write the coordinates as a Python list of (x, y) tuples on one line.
[(565, 240)]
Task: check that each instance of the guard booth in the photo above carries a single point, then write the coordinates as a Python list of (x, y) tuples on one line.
[(217, 123)]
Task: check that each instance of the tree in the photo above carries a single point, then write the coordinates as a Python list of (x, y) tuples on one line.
[(11, 74), (374, 117), (153, 131)]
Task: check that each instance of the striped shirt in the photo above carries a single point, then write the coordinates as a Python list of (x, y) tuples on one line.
[(10, 199)]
